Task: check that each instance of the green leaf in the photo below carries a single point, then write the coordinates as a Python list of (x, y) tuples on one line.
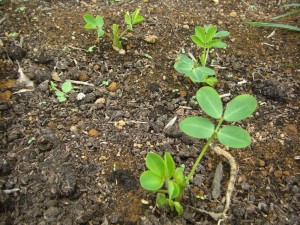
[(276, 25), (61, 98), (210, 102), (173, 190), (99, 22), (90, 20), (161, 200), (151, 181), (90, 26), (202, 59), (127, 18), (100, 33), (169, 164), (240, 107), (213, 43), (196, 75), (179, 177), (178, 208), (206, 71), (221, 34), (211, 81), (210, 34), (184, 64), (197, 127), (156, 164), (115, 29), (200, 33), (220, 44), (59, 94), (286, 14), (66, 87), (197, 41), (234, 137)]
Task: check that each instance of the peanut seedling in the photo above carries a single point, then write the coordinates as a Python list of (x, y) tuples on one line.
[(97, 23), (169, 182), (205, 38)]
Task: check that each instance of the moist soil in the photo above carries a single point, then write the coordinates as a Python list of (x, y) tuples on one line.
[(79, 161)]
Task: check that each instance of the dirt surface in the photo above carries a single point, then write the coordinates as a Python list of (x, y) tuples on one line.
[(79, 162)]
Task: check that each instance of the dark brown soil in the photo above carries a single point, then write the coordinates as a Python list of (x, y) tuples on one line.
[(79, 162)]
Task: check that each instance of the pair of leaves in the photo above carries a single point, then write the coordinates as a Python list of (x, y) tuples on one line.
[(94, 23), (204, 37), (237, 109), (189, 68), (116, 38), (134, 19), (159, 171)]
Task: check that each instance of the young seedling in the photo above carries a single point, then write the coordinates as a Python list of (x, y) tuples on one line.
[(97, 23), (163, 178), (205, 38), (62, 94)]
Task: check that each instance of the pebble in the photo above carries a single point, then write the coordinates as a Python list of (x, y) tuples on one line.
[(290, 129), (233, 14), (6, 95), (93, 133), (100, 101), (151, 38), (278, 173), (245, 186), (185, 26), (83, 76), (262, 163), (112, 87), (295, 189)]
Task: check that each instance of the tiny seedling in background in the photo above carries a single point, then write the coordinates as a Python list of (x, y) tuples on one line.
[(205, 38), (21, 9), (169, 182), (91, 48), (62, 94), (97, 23)]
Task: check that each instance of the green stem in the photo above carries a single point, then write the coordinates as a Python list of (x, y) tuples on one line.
[(190, 176), (162, 191)]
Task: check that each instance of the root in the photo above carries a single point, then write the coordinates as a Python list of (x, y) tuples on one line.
[(220, 217)]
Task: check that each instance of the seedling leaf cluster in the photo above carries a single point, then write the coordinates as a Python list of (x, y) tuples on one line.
[(205, 38), (97, 23)]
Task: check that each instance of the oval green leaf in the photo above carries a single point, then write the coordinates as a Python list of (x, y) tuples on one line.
[(156, 164), (161, 200), (240, 107), (211, 81), (207, 71), (222, 33), (220, 44), (173, 190), (89, 19), (210, 34), (200, 33), (178, 208), (196, 75), (99, 21), (234, 137), (197, 127), (66, 87), (210, 102), (179, 177), (169, 164), (151, 181)]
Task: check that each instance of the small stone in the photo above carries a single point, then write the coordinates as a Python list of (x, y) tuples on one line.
[(264, 173), (186, 26), (233, 14), (55, 76), (150, 38), (278, 173), (83, 76), (93, 133), (96, 67), (245, 186), (112, 87), (286, 173), (73, 128), (295, 189), (290, 129), (6, 95), (122, 52), (100, 101), (262, 163)]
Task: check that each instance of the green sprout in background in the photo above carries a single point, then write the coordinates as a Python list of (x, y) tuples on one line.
[(277, 25), (168, 181), (205, 38), (62, 94), (97, 23)]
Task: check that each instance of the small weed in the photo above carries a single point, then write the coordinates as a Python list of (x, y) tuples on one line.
[(21, 9)]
